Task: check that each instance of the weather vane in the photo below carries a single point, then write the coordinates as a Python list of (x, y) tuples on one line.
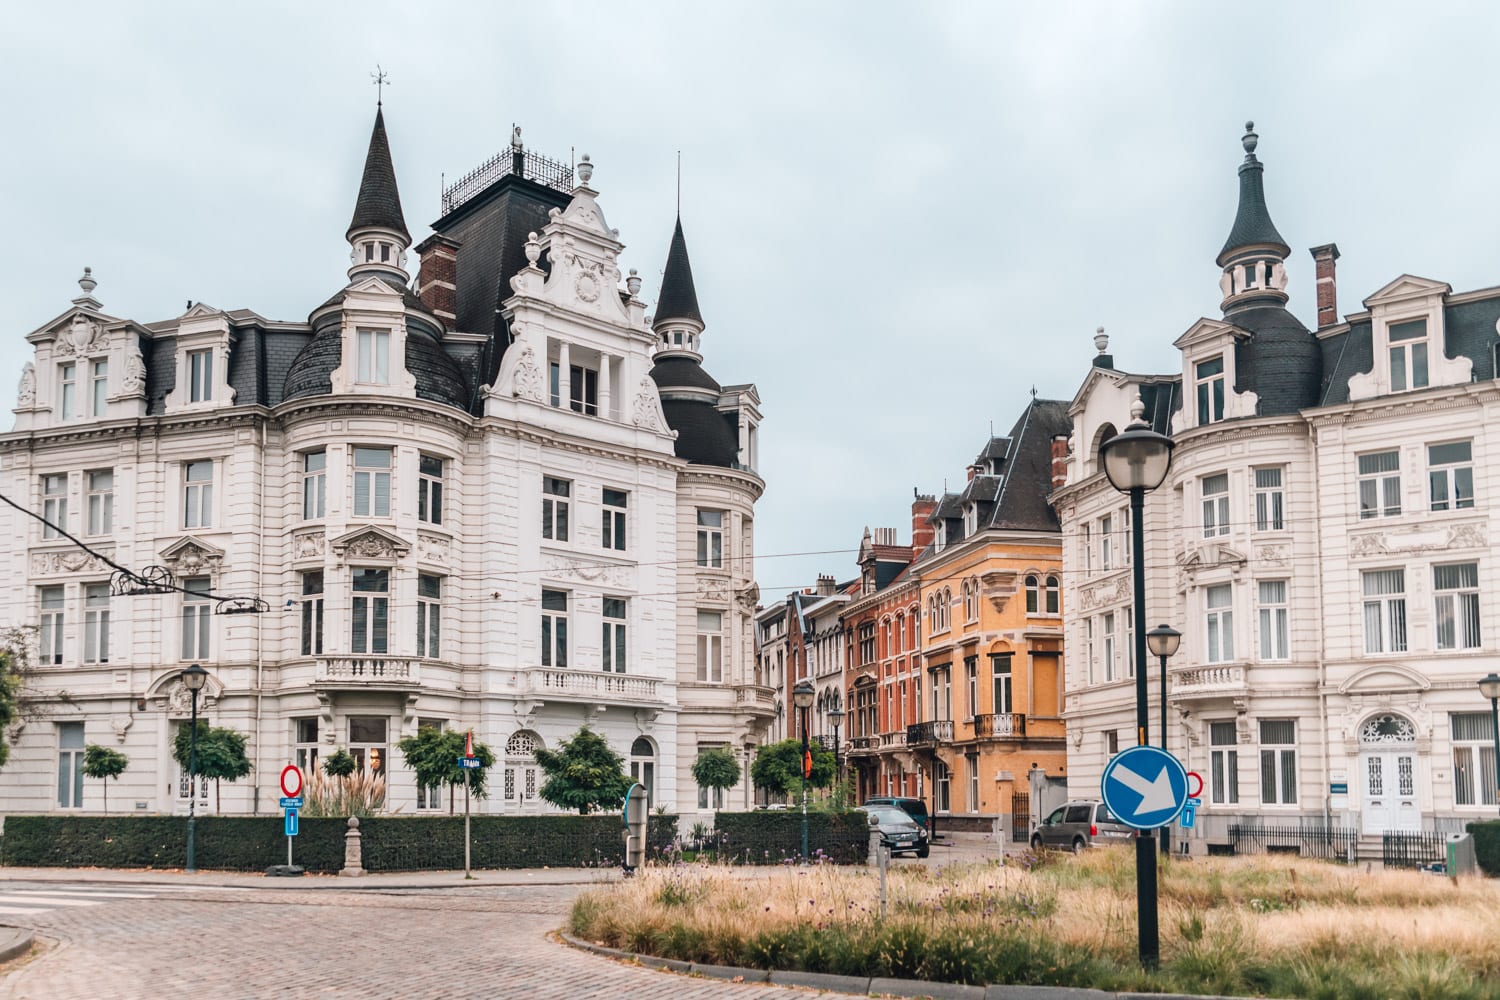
[(380, 78)]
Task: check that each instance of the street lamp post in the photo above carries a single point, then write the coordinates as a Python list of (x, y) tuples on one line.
[(192, 679), (802, 696), (1490, 688), (1163, 642), (835, 716), (1136, 462)]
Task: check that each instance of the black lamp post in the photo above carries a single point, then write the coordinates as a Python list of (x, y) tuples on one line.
[(1490, 688), (1163, 642), (193, 679), (802, 696), (1136, 462), (835, 716)]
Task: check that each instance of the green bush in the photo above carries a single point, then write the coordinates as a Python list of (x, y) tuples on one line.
[(1487, 845), (772, 837)]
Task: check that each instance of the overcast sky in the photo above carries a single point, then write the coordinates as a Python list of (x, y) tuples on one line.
[(901, 216)]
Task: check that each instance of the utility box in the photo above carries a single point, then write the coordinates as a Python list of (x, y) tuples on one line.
[(635, 827), (1460, 854)]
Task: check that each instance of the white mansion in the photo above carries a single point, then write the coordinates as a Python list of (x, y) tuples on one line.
[(1323, 542), (499, 498)]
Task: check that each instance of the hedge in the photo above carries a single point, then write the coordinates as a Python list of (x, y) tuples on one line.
[(245, 843), (1487, 845), (771, 837)]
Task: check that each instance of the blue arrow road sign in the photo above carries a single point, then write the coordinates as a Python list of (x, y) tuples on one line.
[(468, 762), (294, 802), (1145, 787), (291, 824)]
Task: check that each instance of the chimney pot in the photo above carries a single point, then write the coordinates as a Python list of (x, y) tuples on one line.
[(1324, 258)]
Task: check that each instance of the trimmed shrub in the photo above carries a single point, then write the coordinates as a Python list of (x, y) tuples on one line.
[(772, 837), (1487, 845)]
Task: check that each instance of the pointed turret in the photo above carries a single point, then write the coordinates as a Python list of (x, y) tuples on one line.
[(377, 232), (1254, 253), (678, 299)]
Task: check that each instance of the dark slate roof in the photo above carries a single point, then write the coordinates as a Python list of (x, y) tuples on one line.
[(995, 448), (1468, 331), (160, 356), (981, 489), (1023, 502), (1161, 399), (678, 298), (704, 435), (308, 374), (379, 203), (680, 372), (1280, 361), (948, 509), (439, 377), (1252, 221)]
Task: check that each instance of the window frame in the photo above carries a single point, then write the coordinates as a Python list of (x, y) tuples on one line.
[(430, 588), (710, 538), (554, 628), (557, 496), (372, 353), (96, 622), (1224, 762), (614, 505), (99, 503), (1393, 634), (1475, 784), (1462, 618), (1209, 389), (1278, 766), (67, 402), (54, 504), (52, 613), (200, 374), (710, 647), (377, 479), (1382, 485), (370, 611), (615, 634), (314, 484), (431, 472), (1454, 475), (1215, 505), (311, 617), (1218, 622), (99, 387), (195, 634), (1408, 364), (1269, 499), (1274, 620), (198, 495)]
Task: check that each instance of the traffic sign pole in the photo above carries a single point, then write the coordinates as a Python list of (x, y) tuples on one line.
[(1149, 938), (468, 765)]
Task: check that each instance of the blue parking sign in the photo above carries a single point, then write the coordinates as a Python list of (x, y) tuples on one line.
[(291, 824)]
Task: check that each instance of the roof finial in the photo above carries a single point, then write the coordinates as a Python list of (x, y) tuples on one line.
[(1101, 340), (1250, 140), (87, 282), (679, 183), (1033, 391), (585, 170), (1137, 409), (380, 78)]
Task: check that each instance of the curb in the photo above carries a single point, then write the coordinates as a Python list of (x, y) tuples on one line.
[(861, 986), (14, 942)]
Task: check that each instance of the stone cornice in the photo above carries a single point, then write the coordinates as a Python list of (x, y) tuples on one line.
[(1433, 398)]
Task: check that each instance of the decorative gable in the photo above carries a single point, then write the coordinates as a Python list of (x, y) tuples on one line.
[(370, 544), (191, 556)]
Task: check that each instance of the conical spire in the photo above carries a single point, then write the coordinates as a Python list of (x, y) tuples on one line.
[(1252, 223), (678, 299), (379, 202)]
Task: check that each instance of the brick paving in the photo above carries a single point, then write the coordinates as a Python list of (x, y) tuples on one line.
[(483, 942)]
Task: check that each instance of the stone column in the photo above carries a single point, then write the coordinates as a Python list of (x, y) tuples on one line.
[(353, 853)]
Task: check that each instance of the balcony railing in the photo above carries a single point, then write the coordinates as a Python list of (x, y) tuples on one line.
[(861, 744), (824, 740), (755, 696), (896, 739), (937, 731), (372, 669), (587, 683), (1208, 680), (999, 724)]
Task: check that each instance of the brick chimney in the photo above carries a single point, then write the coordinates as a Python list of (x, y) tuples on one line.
[(437, 276), (1059, 460), (922, 507), (1328, 300)]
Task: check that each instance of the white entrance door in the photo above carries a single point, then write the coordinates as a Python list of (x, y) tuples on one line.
[(1390, 791)]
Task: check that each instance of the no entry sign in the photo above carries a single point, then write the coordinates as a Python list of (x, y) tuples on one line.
[(291, 781)]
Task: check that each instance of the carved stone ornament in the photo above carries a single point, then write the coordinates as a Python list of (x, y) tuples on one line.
[(180, 700), (369, 543), (1387, 730), (134, 381), (370, 546), (433, 548), (528, 383), (1419, 538), (26, 392), (587, 286), (1271, 555), (646, 411), (121, 725), (79, 337), (713, 589), (65, 561), (191, 557), (582, 569), (308, 545)]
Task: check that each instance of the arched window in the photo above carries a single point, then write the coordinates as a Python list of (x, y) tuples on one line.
[(1033, 595), (900, 633), (945, 610), (1053, 596), (522, 775), (643, 767), (971, 600)]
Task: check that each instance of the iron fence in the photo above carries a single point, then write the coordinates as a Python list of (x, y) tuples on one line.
[(1020, 816), (1412, 850), (1331, 843)]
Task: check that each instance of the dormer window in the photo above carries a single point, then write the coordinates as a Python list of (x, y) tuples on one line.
[(200, 376), (1408, 353), (68, 374), (374, 356), (1210, 385)]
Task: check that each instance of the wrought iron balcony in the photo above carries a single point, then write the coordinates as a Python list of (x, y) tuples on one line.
[(999, 724), (937, 731), (824, 740)]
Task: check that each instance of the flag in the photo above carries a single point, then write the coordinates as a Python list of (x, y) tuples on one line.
[(469, 744)]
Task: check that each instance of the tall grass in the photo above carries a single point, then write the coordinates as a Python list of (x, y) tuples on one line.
[(358, 794), (1263, 926)]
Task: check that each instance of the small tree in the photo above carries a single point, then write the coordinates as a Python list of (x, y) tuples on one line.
[(340, 764), (104, 763), (434, 756), (10, 686), (778, 767), (221, 754), (584, 774), (716, 768)]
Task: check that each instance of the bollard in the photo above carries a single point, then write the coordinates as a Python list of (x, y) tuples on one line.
[(874, 858), (353, 852)]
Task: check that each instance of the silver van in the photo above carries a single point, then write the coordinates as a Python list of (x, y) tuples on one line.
[(1079, 824)]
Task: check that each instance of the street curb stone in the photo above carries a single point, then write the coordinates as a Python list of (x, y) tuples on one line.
[(14, 941), (921, 988), (998, 992), (821, 981), (730, 972)]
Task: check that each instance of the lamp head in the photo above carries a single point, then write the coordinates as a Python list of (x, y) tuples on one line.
[(194, 677), (836, 715), (1163, 640), (1490, 686), (1137, 458), (803, 693)]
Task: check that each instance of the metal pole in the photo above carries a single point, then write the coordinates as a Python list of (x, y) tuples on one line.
[(1495, 720), (802, 718), (1166, 831), (192, 846), (467, 873), (1145, 844), (838, 771)]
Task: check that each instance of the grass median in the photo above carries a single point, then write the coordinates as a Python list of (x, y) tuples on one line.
[(1240, 926)]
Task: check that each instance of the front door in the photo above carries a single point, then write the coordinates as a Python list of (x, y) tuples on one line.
[(1390, 793)]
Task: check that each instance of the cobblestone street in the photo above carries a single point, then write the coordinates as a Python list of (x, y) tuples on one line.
[(485, 941)]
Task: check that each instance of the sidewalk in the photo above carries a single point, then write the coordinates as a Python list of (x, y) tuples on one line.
[(373, 881)]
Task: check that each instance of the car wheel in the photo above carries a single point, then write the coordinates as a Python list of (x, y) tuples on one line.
[(1036, 841), (1078, 845), (923, 851)]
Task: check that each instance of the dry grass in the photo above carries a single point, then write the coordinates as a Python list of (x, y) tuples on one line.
[(1270, 926)]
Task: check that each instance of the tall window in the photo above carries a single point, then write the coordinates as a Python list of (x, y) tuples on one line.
[(1210, 383), (554, 628), (1450, 475), (1385, 610), (1052, 595), (50, 625), (96, 623), (429, 614), (1278, 762), (1088, 548), (54, 505), (68, 374), (1380, 484), (305, 743), (521, 771), (314, 485), (367, 742), (198, 494), (1033, 595), (971, 600), (430, 489), (1106, 542), (1474, 779), (1219, 618), (372, 482), (1088, 647), (972, 760), (1274, 634), (711, 646), (971, 677), (1224, 763), (867, 641), (197, 610), (555, 494), (1268, 500), (1128, 618), (100, 501), (583, 390), (375, 356), (1000, 683), (312, 614), (370, 611), (1456, 594), (99, 379), (643, 767), (70, 765), (613, 519), (614, 647), (1408, 349), (711, 538), (200, 376), (1109, 646), (1215, 505), (1125, 538)]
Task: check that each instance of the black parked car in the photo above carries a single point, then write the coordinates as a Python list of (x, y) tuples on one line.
[(915, 808), (898, 832)]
